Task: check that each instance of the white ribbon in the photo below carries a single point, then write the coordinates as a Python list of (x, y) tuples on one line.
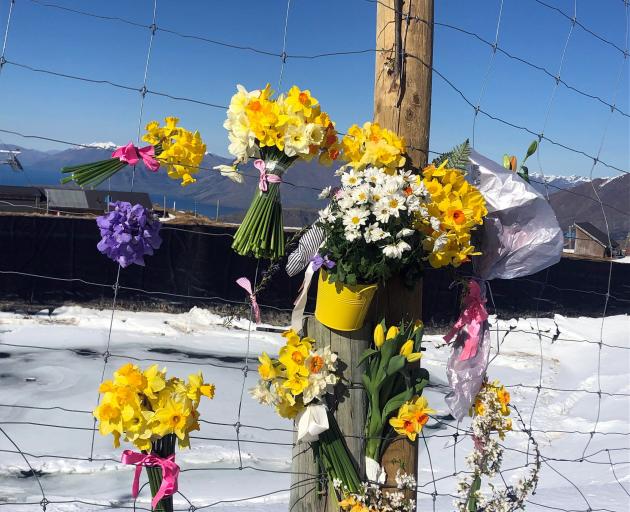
[(374, 472), (297, 316), (311, 421)]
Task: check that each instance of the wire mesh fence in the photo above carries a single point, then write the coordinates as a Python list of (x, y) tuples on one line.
[(54, 437)]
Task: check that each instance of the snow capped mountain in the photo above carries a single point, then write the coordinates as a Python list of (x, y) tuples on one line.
[(103, 145), (556, 183)]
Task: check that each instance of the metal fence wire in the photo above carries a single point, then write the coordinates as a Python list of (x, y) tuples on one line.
[(610, 462)]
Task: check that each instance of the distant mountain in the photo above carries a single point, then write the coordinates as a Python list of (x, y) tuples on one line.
[(556, 183), (303, 181), (571, 197), (581, 204)]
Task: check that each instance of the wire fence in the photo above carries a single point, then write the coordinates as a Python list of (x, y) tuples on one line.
[(601, 446)]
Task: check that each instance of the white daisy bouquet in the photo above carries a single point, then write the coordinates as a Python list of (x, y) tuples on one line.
[(370, 225), (296, 385), (276, 131)]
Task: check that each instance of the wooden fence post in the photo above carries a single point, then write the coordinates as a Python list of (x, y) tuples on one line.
[(402, 103)]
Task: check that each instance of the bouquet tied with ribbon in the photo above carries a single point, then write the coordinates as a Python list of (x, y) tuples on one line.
[(276, 131), (154, 413), (296, 385), (179, 149)]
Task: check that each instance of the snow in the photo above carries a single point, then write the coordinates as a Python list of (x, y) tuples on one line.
[(66, 370), (103, 145)]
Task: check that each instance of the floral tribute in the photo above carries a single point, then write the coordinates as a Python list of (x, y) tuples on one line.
[(276, 131), (387, 220), (491, 412), (180, 150), (296, 385), (456, 208), (393, 383), (128, 233), (154, 413), (371, 497)]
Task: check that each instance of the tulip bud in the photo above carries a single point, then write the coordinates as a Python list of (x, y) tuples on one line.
[(407, 348), (392, 332), (379, 335)]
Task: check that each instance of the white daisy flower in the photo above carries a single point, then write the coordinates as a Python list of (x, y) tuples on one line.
[(374, 233), (355, 217), (374, 176), (325, 193), (351, 178), (382, 212), (395, 203), (361, 194), (435, 223), (404, 233), (352, 234), (396, 250)]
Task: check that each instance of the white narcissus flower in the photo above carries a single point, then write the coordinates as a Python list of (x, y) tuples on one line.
[(440, 242), (314, 133), (296, 141), (413, 203), (262, 393), (396, 250), (435, 224), (229, 171)]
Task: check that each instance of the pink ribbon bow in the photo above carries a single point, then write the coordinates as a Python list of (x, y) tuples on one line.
[(264, 177), (170, 472), (132, 155), (472, 317), (244, 283)]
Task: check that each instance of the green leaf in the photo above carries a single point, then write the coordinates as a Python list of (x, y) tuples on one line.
[(531, 150), (366, 381), (420, 386), (394, 403), (367, 353), (395, 364), (457, 157)]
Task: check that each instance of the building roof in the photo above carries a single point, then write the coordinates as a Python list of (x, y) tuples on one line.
[(11, 192), (597, 234)]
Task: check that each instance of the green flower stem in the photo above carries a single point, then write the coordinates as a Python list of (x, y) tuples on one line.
[(163, 447), (261, 233)]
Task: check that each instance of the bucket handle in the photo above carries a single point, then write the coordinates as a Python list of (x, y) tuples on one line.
[(367, 289)]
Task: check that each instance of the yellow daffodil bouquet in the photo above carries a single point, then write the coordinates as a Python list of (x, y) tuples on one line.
[(296, 385), (180, 150), (393, 382), (275, 131), (154, 413)]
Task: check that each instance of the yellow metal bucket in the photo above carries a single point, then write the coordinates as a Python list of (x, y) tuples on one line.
[(342, 308)]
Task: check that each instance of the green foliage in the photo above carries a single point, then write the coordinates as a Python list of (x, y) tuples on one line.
[(458, 157), (390, 381)]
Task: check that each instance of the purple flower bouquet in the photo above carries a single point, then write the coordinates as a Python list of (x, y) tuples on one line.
[(129, 233)]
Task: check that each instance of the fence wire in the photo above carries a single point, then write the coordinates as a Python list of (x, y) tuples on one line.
[(614, 456)]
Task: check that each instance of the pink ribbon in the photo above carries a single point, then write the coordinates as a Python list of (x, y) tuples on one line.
[(132, 155), (264, 177), (472, 318), (170, 472), (244, 283)]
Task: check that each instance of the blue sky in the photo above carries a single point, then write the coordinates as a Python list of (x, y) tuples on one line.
[(58, 40)]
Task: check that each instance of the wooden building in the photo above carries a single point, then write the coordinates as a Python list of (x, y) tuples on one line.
[(591, 241)]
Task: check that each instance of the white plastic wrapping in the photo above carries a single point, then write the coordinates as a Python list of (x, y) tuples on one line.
[(520, 236)]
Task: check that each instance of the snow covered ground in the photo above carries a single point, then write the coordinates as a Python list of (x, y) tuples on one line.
[(61, 370)]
